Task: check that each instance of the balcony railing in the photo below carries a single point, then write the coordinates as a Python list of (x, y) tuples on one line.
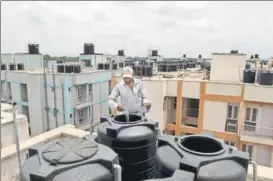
[(81, 100), (264, 132), (192, 112)]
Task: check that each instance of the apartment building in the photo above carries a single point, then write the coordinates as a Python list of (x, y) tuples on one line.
[(27, 60), (7, 126), (50, 99), (241, 114)]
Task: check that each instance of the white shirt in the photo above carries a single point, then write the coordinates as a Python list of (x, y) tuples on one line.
[(131, 99)]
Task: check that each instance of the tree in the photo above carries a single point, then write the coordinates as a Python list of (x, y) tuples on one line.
[(46, 57)]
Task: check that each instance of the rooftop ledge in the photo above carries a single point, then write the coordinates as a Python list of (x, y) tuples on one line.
[(264, 173)]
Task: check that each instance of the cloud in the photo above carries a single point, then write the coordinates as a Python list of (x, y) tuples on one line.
[(174, 28)]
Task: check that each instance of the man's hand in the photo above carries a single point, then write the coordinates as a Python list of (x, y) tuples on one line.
[(120, 108), (148, 105)]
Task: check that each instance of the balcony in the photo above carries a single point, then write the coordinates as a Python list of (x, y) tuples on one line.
[(256, 134), (82, 101), (257, 131)]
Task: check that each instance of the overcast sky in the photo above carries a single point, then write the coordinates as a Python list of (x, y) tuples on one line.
[(174, 28)]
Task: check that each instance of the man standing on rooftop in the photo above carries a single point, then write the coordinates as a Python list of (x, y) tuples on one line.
[(132, 94)]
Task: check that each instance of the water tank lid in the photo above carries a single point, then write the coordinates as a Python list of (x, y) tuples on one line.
[(70, 151)]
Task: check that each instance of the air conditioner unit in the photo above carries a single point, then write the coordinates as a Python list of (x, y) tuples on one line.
[(231, 127)]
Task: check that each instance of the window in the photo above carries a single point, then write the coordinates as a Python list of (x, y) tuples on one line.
[(250, 120), (232, 117), (90, 92), (232, 112), (80, 115), (248, 148), (169, 103)]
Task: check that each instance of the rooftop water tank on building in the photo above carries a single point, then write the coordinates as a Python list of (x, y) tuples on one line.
[(249, 76), (89, 48), (20, 66), (12, 66), (115, 66), (120, 65), (121, 52), (154, 53), (60, 68), (77, 69), (106, 66), (3, 67), (265, 77), (33, 48), (100, 66), (147, 71), (135, 143), (199, 158), (73, 159), (69, 68)]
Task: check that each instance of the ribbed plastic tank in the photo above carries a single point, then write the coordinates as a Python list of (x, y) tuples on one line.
[(249, 76), (199, 158), (121, 52), (3, 67), (106, 66), (60, 68), (11, 66), (89, 48), (120, 65), (72, 159), (266, 77), (77, 69), (248, 66), (154, 53), (68, 68), (147, 71), (20, 66), (33, 48), (115, 66), (135, 143), (100, 66)]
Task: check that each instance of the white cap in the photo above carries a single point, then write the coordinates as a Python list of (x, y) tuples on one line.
[(127, 72)]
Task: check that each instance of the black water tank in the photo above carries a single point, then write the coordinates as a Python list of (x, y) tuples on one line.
[(33, 48), (266, 77), (60, 68), (147, 71), (121, 52), (154, 53), (184, 55), (249, 76), (120, 65), (20, 66), (139, 71), (68, 68), (3, 67), (248, 66), (134, 142), (72, 159), (199, 56), (106, 66), (100, 66), (115, 66), (199, 158), (251, 57), (256, 56), (11, 66), (77, 69), (89, 48)]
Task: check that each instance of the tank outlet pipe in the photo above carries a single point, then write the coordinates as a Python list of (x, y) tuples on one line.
[(254, 164), (117, 169)]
